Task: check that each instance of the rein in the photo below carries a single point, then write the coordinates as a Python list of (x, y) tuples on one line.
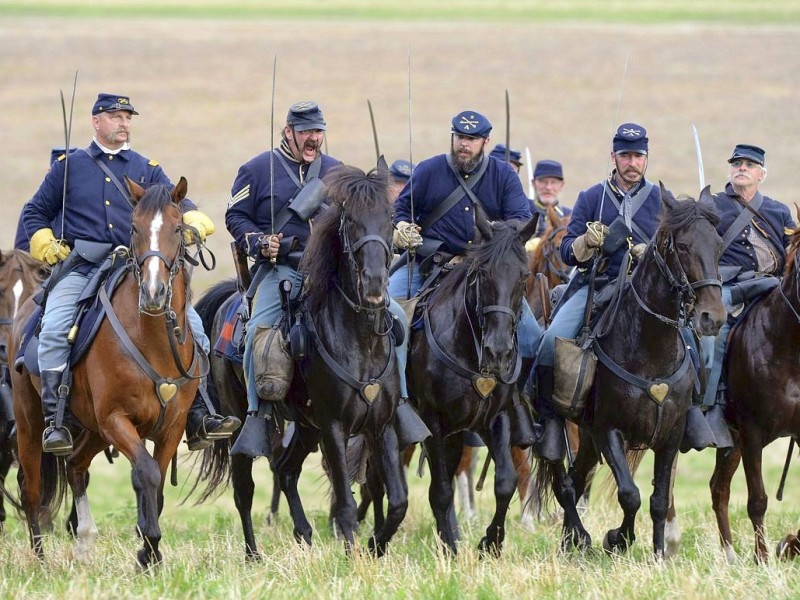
[(482, 380), (549, 252)]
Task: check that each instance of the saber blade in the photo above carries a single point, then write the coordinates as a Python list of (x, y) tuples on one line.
[(700, 170)]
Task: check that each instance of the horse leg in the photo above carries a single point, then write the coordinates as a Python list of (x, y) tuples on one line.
[(720, 484), (29, 478), (443, 458), (288, 468), (620, 539), (662, 492), (528, 508), (243, 490), (84, 526), (391, 472), (569, 488), (275, 499), (672, 531), (343, 510), (6, 459), (752, 446), (465, 496), (372, 494), (505, 483)]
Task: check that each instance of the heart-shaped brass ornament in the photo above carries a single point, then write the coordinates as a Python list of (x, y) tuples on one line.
[(484, 384), (370, 391), (659, 391), (166, 391)]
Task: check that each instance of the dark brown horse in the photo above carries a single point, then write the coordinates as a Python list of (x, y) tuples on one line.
[(644, 381), (20, 275), (763, 375), (463, 368), (347, 382), (114, 397)]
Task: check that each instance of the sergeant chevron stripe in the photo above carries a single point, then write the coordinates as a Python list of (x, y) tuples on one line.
[(240, 195)]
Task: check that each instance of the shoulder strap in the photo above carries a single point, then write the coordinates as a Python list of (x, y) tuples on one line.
[(313, 173), (753, 207), (741, 221), (457, 194), (103, 167), (634, 209)]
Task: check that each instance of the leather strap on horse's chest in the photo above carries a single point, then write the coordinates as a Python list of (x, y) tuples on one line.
[(368, 390), (166, 387), (657, 389)]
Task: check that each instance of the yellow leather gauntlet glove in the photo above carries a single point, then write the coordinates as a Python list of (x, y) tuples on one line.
[(45, 246)]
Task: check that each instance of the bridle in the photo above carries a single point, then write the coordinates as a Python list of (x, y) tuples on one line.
[(553, 263), (678, 282)]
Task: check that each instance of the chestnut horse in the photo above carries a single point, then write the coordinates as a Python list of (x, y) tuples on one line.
[(135, 382), (20, 275), (763, 375), (644, 381)]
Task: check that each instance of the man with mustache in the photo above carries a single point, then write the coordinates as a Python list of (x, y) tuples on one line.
[(284, 184), (627, 197), (755, 233), (445, 213), (95, 210)]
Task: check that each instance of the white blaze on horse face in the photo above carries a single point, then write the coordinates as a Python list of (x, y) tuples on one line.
[(153, 261), (18, 289)]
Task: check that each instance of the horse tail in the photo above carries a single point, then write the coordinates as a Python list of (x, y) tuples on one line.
[(541, 497), (54, 481), (608, 487)]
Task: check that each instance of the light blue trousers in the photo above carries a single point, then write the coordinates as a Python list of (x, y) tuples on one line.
[(714, 353)]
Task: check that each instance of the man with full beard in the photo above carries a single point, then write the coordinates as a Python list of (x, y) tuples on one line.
[(627, 198), (444, 213)]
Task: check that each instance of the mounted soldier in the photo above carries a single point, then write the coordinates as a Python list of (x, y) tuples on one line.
[(625, 205), (453, 195), (274, 199), (755, 232), (85, 195)]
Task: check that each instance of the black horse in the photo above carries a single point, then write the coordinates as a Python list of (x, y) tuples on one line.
[(347, 382), (463, 367), (645, 374)]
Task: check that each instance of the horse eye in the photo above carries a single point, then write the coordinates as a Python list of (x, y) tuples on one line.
[(682, 247)]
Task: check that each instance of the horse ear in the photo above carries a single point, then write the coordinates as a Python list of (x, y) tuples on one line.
[(529, 229), (552, 216), (383, 168), (667, 197), (706, 197), (135, 189), (179, 193)]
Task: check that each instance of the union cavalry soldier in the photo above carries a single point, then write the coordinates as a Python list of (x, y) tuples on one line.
[(548, 182), (755, 232), (605, 215), (91, 219)]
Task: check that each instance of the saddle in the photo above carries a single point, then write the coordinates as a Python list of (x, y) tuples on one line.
[(88, 316)]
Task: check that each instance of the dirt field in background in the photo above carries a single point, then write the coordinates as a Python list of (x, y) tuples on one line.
[(203, 91)]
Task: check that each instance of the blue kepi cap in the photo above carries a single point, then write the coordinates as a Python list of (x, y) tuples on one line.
[(471, 123), (112, 103)]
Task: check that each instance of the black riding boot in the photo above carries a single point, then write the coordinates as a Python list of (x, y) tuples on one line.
[(716, 421), (203, 427), (697, 434), (254, 439), (55, 440), (552, 445), (521, 423), (410, 428)]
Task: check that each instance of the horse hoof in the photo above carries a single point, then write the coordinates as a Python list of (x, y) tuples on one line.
[(147, 560), (614, 543), (487, 548), (376, 549)]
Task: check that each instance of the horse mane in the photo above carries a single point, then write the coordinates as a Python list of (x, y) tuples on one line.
[(359, 193), (791, 252), (491, 255), (685, 212)]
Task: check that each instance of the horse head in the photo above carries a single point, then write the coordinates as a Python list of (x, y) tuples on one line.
[(349, 247), (688, 248), (496, 273), (157, 244)]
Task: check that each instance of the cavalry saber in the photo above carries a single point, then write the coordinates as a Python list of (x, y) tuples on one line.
[(529, 171), (616, 120), (67, 136), (374, 131), (411, 251), (700, 170), (779, 495), (273, 259), (508, 128)]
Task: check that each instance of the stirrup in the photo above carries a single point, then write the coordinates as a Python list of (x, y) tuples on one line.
[(61, 442), (213, 428)]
